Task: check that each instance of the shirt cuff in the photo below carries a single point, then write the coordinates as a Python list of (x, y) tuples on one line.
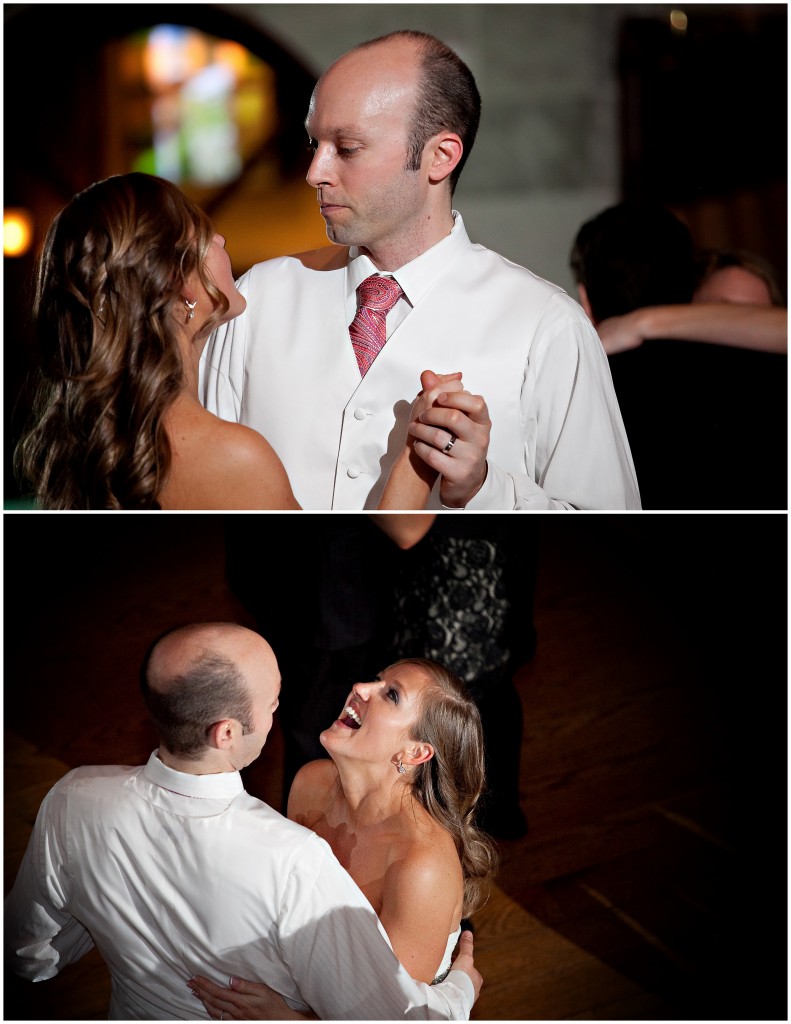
[(464, 982), (497, 491)]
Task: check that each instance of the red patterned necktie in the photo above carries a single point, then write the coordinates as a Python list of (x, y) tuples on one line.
[(376, 296)]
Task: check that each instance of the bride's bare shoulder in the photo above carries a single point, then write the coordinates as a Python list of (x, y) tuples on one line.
[(217, 464)]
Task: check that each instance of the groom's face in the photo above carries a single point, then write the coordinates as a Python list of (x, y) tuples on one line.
[(358, 125)]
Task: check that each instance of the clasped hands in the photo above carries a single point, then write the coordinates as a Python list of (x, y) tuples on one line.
[(444, 410)]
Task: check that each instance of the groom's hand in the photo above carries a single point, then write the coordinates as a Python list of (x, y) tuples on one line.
[(464, 962)]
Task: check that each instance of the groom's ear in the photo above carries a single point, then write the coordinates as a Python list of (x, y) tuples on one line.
[(221, 734)]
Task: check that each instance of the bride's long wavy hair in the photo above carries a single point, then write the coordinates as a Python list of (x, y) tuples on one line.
[(450, 784), (109, 291)]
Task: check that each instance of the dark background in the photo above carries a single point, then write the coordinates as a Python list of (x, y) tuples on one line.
[(659, 685)]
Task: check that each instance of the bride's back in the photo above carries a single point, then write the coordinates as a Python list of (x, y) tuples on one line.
[(220, 465)]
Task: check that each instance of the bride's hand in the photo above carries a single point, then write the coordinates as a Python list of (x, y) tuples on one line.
[(433, 385), (245, 1000), (410, 480)]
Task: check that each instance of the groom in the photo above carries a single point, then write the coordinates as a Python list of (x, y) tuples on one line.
[(391, 124)]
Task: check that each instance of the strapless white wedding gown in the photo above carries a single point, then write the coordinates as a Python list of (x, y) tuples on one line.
[(445, 966)]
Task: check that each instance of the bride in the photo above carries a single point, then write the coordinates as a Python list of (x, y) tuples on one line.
[(396, 803)]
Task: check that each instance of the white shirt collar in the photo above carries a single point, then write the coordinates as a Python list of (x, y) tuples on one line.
[(220, 785), (417, 276)]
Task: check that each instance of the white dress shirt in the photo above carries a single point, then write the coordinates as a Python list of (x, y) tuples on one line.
[(286, 367), (172, 875)]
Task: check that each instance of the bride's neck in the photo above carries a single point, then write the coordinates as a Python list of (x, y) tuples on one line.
[(191, 347), (370, 795)]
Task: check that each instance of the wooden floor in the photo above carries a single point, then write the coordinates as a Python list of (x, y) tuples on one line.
[(652, 882)]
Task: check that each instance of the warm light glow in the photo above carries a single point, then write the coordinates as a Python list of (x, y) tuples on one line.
[(17, 232), (678, 21), (172, 56), (212, 104), (232, 55)]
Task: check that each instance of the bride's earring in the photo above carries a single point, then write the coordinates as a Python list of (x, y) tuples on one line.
[(401, 768), (191, 307)]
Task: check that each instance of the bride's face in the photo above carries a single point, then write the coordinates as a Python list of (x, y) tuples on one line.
[(218, 263), (377, 719)]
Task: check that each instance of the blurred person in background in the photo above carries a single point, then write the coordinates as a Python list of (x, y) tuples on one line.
[(737, 301), (702, 386)]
